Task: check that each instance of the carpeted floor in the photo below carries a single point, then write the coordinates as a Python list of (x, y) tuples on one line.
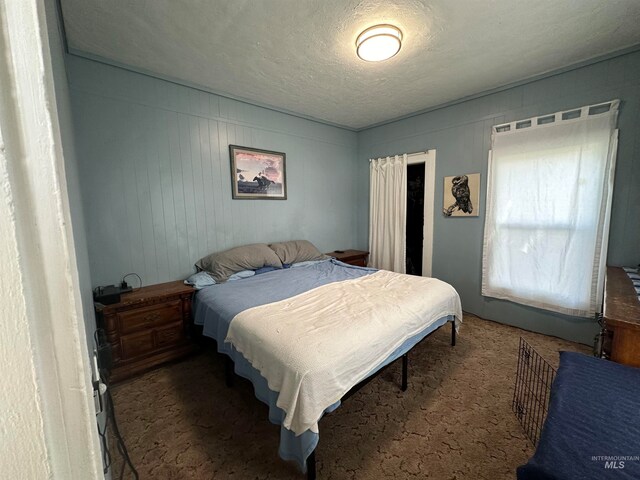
[(454, 422)]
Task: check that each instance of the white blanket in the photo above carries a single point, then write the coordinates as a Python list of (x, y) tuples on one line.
[(312, 348)]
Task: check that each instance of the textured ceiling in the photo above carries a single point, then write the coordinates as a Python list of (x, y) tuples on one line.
[(299, 55)]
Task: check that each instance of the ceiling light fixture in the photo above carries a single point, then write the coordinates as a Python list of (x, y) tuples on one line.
[(379, 43)]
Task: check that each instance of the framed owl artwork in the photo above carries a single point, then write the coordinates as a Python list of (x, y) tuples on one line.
[(461, 195)]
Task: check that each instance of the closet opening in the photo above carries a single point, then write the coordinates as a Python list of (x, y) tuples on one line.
[(421, 173), (415, 218)]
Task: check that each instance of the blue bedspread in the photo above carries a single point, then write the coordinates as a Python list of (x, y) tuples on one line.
[(592, 430), (214, 308)]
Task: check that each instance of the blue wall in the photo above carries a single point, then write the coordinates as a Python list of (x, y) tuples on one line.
[(154, 171), (461, 136), (155, 176)]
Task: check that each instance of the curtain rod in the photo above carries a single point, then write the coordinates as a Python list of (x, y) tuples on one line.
[(505, 127), (408, 155)]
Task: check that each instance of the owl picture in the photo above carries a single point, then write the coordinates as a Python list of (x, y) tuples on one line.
[(461, 194)]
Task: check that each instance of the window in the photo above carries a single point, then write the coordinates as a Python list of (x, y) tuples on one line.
[(548, 205)]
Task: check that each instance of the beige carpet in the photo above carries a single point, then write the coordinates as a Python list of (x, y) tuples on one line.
[(454, 422)]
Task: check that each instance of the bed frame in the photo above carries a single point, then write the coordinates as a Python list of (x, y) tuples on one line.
[(311, 460)]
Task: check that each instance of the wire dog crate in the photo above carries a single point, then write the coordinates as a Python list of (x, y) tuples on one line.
[(532, 390)]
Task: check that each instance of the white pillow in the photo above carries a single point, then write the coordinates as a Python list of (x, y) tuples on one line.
[(240, 275), (307, 263), (200, 280)]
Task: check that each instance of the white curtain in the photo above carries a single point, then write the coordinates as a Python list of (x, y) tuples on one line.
[(388, 213), (549, 192)]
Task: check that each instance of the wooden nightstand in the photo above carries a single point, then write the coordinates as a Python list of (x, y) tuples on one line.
[(352, 257), (149, 326)]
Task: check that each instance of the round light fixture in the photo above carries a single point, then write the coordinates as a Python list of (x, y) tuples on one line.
[(379, 43)]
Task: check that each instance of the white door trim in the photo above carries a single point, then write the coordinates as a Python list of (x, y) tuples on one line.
[(44, 360), (429, 160)]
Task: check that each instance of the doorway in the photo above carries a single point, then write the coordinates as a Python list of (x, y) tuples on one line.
[(421, 185), (415, 218)]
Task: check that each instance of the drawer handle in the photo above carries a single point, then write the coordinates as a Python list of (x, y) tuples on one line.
[(152, 317), (167, 336)]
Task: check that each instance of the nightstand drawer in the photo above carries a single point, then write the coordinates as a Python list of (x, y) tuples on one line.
[(145, 318), (360, 262), (136, 344), (169, 335)]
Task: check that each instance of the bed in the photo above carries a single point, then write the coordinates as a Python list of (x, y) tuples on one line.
[(306, 336), (592, 430)]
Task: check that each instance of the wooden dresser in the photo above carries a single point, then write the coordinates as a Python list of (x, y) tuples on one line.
[(621, 318), (149, 326), (352, 257)]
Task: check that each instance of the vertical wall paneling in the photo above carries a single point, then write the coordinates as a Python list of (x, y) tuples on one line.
[(461, 135), (154, 173)]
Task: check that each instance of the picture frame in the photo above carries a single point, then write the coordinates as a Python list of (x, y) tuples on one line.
[(257, 174), (461, 195)]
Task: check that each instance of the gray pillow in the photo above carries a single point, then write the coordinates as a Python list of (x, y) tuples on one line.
[(297, 251), (222, 265)]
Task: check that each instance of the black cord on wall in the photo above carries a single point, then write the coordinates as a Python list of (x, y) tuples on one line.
[(124, 284), (122, 448), (109, 409)]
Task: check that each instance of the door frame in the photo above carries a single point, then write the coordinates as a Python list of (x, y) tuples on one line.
[(44, 359), (429, 159)]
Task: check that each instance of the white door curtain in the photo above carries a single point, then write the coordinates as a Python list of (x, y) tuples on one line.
[(388, 213)]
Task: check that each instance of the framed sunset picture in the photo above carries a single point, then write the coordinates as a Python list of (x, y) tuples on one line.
[(257, 174)]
